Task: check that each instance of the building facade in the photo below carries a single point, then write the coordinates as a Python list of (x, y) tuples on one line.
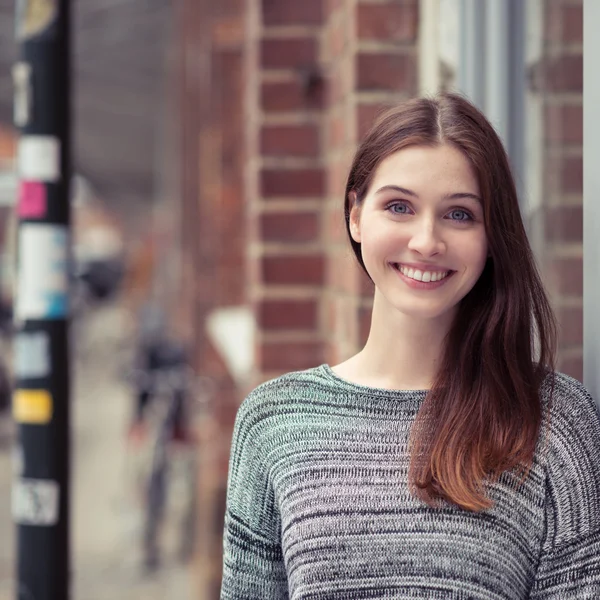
[(273, 97)]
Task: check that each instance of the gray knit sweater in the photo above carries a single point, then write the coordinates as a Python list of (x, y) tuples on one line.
[(318, 504)]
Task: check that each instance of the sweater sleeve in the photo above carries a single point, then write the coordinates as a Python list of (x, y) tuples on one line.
[(569, 566), (253, 565)]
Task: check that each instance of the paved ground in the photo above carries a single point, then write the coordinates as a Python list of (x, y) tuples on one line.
[(105, 515)]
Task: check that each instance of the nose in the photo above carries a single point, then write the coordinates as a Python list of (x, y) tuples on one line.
[(425, 238)]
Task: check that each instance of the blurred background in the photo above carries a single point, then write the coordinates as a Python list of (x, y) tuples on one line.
[(211, 146)]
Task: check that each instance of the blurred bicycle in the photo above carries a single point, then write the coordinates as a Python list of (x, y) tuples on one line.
[(168, 395)]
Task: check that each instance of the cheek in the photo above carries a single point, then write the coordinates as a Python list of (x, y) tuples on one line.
[(382, 238), (476, 252)]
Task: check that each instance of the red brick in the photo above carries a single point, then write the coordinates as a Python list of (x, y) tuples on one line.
[(571, 326), (289, 227), (290, 356), (288, 314), (293, 270), (564, 23), (282, 12), (564, 124), (329, 313), (228, 31), (290, 96), (387, 22), (563, 74), (564, 224), (366, 116), (566, 275), (289, 140), (385, 71), (572, 366), (289, 53), (293, 183)]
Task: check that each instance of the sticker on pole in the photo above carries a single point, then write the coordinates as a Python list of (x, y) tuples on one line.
[(38, 158), (32, 200), (23, 100), (32, 355), (32, 407), (36, 18), (43, 281), (35, 502)]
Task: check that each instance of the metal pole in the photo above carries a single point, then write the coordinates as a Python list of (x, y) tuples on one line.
[(40, 499)]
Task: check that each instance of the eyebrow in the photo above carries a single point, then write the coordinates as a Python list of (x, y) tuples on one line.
[(455, 196)]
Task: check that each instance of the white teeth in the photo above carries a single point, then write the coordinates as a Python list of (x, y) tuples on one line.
[(425, 276)]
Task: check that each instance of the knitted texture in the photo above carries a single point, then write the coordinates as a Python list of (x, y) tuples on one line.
[(318, 505)]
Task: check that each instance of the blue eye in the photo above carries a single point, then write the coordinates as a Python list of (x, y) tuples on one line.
[(460, 215), (398, 208)]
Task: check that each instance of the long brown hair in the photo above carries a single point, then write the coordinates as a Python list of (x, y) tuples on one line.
[(483, 413)]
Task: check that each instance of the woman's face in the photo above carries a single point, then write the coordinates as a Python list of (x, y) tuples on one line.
[(421, 230)]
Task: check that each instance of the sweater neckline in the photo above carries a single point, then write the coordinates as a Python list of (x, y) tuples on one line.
[(366, 390)]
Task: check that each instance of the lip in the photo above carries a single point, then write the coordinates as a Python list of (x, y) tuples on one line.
[(422, 285)]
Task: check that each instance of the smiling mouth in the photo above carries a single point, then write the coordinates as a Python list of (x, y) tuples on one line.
[(423, 276)]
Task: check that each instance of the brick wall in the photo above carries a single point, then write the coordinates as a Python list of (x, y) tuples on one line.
[(321, 71), (293, 87), (285, 184), (369, 51), (561, 90)]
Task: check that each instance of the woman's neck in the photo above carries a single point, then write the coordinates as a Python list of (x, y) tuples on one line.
[(402, 352)]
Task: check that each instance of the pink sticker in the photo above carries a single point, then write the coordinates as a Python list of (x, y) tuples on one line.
[(32, 199)]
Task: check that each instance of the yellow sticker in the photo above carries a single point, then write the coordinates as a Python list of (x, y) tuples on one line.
[(33, 407)]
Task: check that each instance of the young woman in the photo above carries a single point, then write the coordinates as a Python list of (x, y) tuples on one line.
[(446, 459)]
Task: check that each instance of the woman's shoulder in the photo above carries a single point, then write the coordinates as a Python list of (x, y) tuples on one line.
[(566, 399), (280, 395), (572, 433), (571, 427)]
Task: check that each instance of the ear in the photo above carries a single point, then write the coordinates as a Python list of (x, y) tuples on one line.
[(354, 217)]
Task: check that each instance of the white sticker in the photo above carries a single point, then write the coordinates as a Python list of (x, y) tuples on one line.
[(39, 158), (43, 280), (32, 355), (23, 101), (35, 502)]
